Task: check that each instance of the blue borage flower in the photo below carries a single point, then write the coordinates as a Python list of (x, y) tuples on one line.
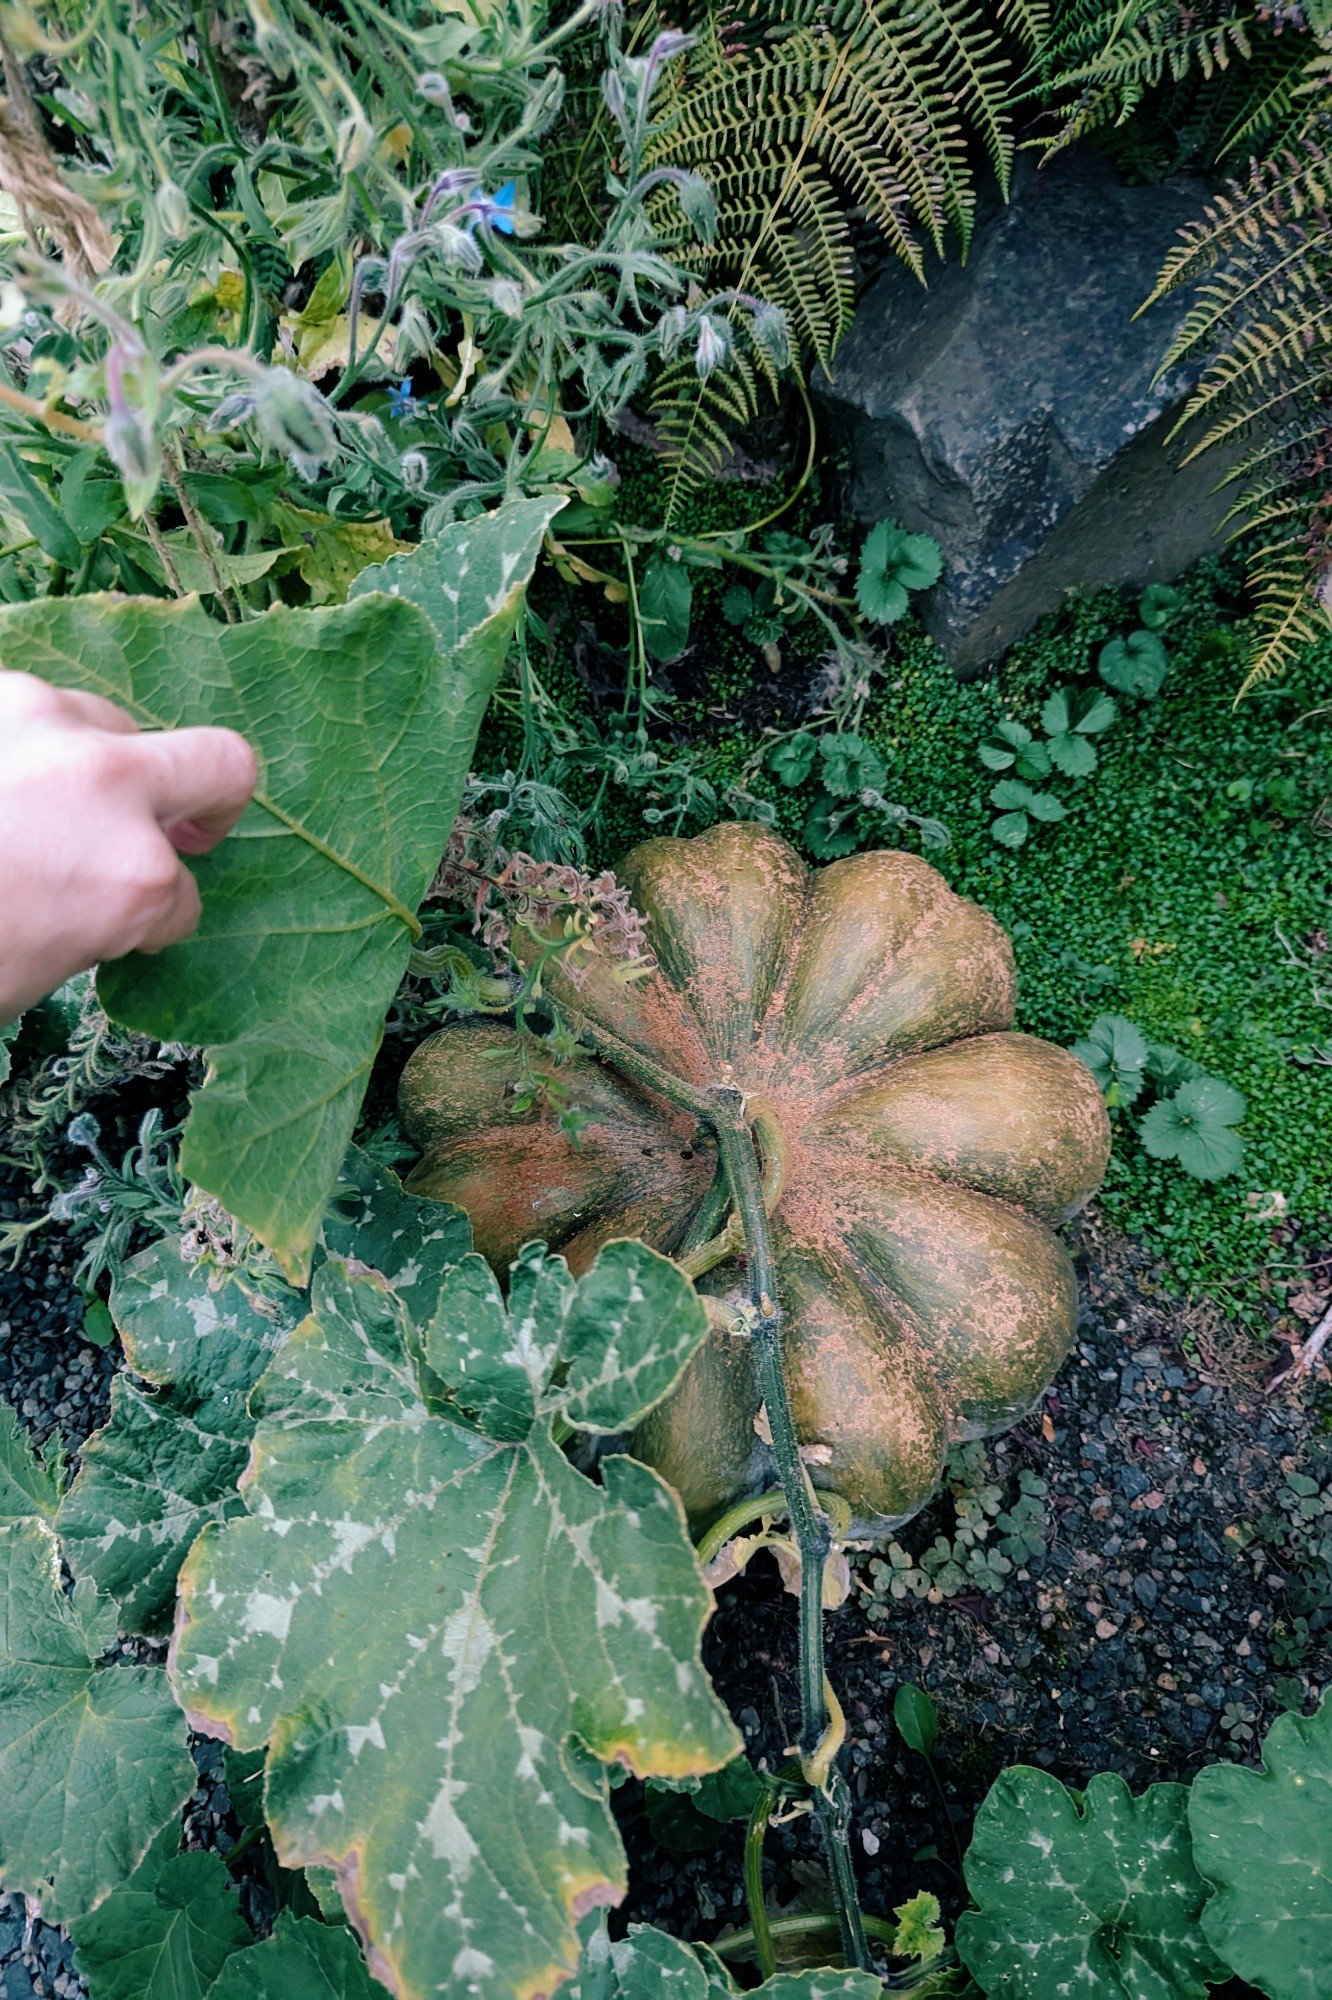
[(402, 403)]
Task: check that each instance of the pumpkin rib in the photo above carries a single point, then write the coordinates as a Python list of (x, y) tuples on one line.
[(1005, 1113), (990, 1287), (692, 893), (844, 1033)]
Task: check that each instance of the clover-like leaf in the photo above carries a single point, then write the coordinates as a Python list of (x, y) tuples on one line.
[(893, 563), (1068, 723), (166, 1932), (829, 831), (441, 1633), (179, 1435), (364, 723), (1194, 1127), (1011, 746), (1098, 1897), (793, 760), (93, 1761), (302, 1960), (1116, 1052), (1263, 1839), (737, 604), (1134, 664), (849, 764)]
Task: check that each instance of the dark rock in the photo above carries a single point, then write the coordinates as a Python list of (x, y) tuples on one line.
[(1010, 409)]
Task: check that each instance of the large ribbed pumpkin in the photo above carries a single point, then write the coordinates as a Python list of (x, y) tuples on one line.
[(865, 1011)]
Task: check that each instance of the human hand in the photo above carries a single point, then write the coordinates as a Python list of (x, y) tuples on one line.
[(94, 816)]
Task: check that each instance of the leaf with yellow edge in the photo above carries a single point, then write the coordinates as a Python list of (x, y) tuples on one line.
[(441, 1629)]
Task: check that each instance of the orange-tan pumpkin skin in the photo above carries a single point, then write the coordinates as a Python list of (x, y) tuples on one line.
[(868, 1011)]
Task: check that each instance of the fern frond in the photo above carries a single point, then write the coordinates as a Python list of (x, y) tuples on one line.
[(696, 421), (1214, 77), (1290, 619), (800, 111), (1262, 321)]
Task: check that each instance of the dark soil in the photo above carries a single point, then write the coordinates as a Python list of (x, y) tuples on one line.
[(1121, 1650)]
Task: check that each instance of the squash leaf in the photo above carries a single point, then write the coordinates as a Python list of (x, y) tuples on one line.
[(649, 1964), (93, 1761), (166, 1932), (441, 1629), (29, 1489), (168, 1460), (364, 729), (1263, 1839), (1098, 1897), (302, 1960), (178, 1438)]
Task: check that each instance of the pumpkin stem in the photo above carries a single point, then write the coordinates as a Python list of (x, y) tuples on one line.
[(730, 1119)]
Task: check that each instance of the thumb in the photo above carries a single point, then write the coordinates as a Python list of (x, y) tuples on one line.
[(199, 782)]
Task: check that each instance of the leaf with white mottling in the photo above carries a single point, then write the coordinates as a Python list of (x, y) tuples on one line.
[(303, 1960), (1263, 1839), (410, 1241), (166, 1933), (1099, 1898), (432, 1628), (176, 1444), (93, 1761), (28, 1489), (615, 1342), (649, 1964), (364, 729)]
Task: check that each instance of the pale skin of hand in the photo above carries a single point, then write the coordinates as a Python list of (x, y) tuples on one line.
[(94, 817)]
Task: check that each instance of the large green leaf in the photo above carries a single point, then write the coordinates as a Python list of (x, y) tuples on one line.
[(441, 1633), (1098, 1898), (410, 1241), (303, 1960), (93, 1761), (28, 1489), (164, 1934), (649, 1964), (1263, 1839), (618, 1339), (363, 729), (168, 1460)]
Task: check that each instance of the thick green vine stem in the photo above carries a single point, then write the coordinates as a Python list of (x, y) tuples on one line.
[(760, 1923), (832, 1803)]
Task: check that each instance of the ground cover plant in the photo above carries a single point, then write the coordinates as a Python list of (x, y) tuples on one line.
[(394, 385)]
